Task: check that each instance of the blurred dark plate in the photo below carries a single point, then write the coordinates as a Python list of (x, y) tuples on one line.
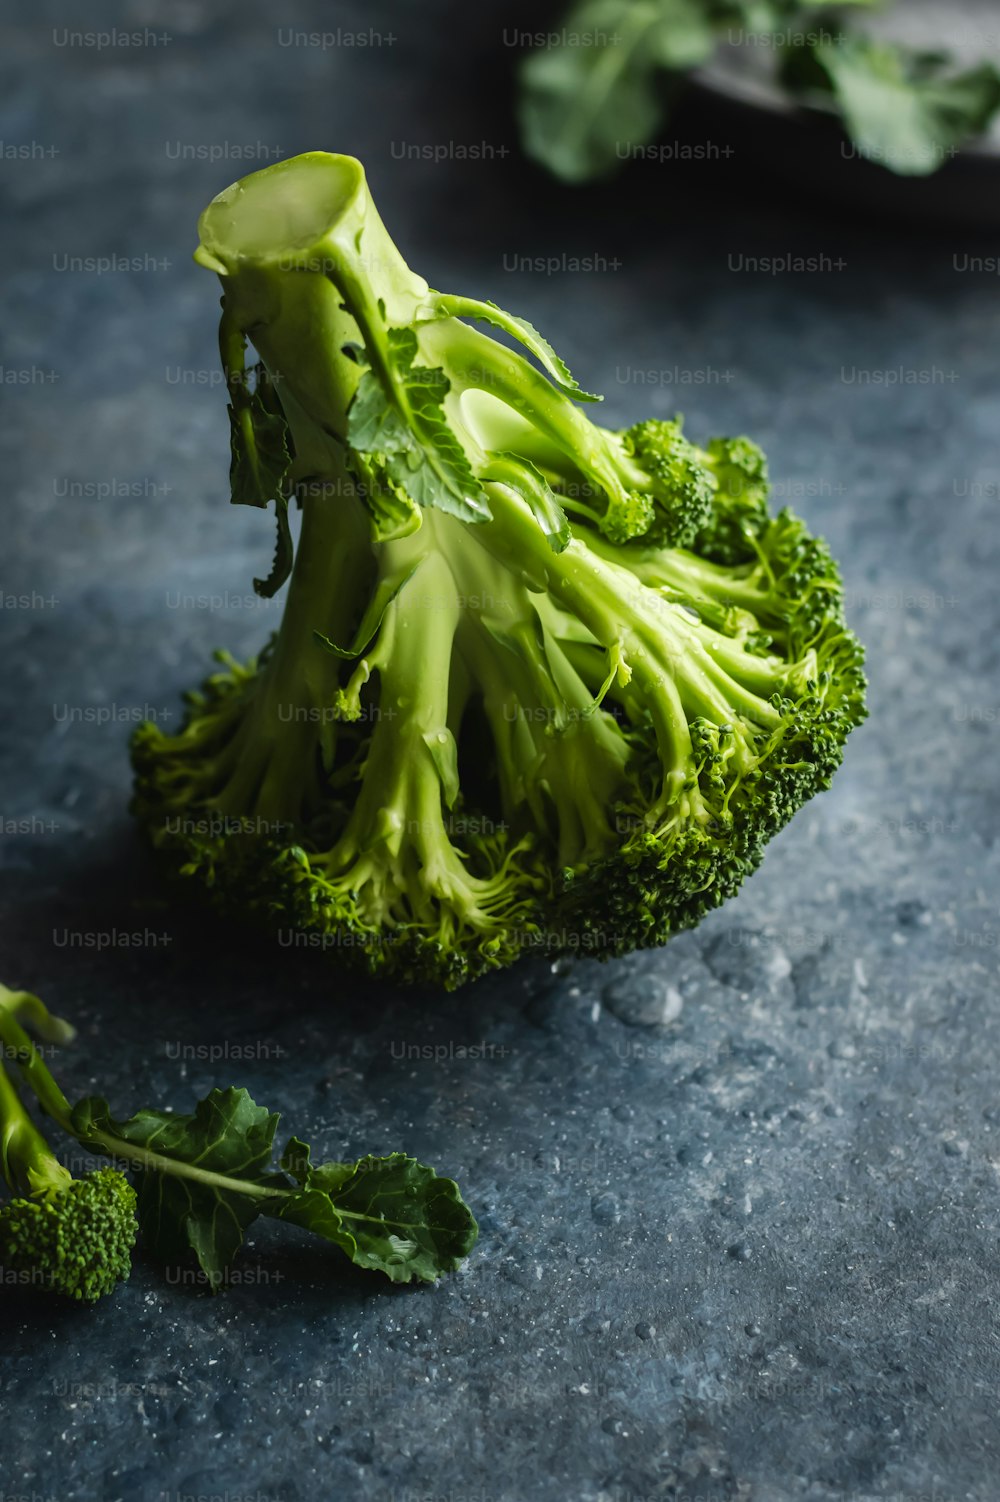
[(740, 104)]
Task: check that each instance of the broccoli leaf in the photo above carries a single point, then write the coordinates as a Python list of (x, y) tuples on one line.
[(902, 108), (260, 445), (391, 1215), (259, 441), (443, 749), (393, 513), (226, 1138), (203, 1178), (526, 333), (283, 553), (403, 426), (595, 92)]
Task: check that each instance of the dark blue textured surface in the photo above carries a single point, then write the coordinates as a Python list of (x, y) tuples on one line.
[(739, 1199)]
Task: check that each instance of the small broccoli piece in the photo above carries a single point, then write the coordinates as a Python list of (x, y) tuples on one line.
[(665, 490), (66, 1235), (538, 683), (681, 483), (76, 1238), (201, 1179)]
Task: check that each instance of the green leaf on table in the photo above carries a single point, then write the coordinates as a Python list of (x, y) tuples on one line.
[(227, 1139), (391, 1215), (203, 1178)]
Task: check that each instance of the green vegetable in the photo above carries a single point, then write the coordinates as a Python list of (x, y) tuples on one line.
[(201, 1181), (65, 1235), (604, 84), (538, 683)]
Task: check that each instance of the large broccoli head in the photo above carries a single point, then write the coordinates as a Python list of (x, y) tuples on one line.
[(538, 685)]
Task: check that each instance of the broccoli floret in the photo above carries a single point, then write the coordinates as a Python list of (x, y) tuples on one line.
[(740, 503), (538, 683), (666, 488), (76, 1238), (65, 1235), (680, 482)]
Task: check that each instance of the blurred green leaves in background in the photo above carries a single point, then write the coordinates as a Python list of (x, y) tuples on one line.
[(604, 83)]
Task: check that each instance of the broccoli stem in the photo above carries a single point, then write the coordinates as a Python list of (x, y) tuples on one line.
[(475, 362), (18, 1046), (26, 1004), (412, 659), (29, 1165), (555, 751), (696, 577), (261, 752), (396, 851), (274, 761), (306, 262), (664, 662)]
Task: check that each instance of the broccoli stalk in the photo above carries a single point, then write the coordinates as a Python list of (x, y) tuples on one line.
[(537, 682), (70, 1236)]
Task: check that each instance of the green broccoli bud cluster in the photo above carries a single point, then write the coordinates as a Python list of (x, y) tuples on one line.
[(538, 683), (60, 1234), (75, 1240), (740, 509), (681, 485)]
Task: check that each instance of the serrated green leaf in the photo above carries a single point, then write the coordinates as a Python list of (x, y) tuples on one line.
[(434, 475), (391, 1215), (328, 1177), (260, 444), (402, 348), (295, 1160), (375, 426), (392, 512), (519, 328), (403, 429), (226, 1135), (284, 554), (312, 1210)]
